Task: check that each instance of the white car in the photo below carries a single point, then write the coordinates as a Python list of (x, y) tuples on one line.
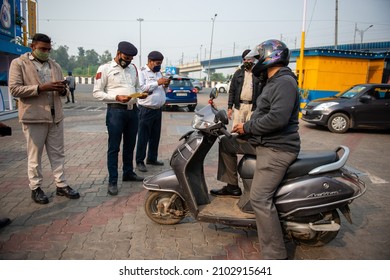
[(222, 87)]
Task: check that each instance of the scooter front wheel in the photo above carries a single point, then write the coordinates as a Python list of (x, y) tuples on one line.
[(165, 208)]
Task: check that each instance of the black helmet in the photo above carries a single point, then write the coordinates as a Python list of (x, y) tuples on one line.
[(270, 53)]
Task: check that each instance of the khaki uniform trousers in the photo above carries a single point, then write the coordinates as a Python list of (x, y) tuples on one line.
[(51, 137), (243, 114)]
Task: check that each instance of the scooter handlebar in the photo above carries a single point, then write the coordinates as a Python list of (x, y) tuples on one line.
[(226, 133)]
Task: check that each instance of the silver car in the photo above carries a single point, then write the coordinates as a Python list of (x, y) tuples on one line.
[(197, 84)]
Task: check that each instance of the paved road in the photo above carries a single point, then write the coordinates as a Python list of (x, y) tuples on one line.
[(98, 226)]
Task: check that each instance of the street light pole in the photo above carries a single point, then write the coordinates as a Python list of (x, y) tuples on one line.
[(200, 59), (140, 47), (211, 48), (362, 33)]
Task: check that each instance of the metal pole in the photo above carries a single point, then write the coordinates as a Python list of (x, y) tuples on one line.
[(200, 59), (362, 32), (140, 46), (300, 78), (37, 29), (211, 48), (336, 24), (24, 27)]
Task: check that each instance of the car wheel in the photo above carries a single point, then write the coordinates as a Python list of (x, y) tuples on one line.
[(338, 123), (221, 90), (191, 108)]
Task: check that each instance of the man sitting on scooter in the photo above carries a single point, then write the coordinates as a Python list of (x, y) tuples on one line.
[(272, 135)]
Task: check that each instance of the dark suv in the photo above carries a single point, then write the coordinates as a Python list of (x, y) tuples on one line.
[(363, 105), (181, 93)]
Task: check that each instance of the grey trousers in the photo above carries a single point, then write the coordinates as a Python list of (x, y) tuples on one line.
[(51, 137), (271, 166)]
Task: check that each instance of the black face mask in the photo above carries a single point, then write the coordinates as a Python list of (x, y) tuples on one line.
[(124, 63), (248, 65), (258, 69), (260, 72), (156, 68)]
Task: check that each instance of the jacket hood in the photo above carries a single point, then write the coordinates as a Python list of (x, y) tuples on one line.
[(285, 71)]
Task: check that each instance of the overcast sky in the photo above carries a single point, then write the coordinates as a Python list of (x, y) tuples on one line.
[(182, 29)]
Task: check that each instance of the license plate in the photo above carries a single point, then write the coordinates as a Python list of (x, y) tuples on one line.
[(181, 94), (304, 112)]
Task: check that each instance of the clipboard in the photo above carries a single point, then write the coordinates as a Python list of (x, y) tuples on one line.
[(138, 95)]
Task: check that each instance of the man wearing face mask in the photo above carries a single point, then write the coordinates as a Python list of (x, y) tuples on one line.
[(150, 112), (39, 84), (243, 92), (115, 81)]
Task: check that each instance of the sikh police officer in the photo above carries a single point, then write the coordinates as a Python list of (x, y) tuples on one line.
[(150, 111), (115, 81)]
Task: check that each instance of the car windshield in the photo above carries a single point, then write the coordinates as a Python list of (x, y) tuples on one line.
[(181, 83), (351, 93)]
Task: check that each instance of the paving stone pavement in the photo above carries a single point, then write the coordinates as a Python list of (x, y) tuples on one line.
[(101, 227)]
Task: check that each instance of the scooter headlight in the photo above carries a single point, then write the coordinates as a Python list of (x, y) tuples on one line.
[(199, 123)]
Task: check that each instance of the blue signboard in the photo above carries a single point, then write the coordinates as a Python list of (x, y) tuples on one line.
[(7, 20), (170, 70)]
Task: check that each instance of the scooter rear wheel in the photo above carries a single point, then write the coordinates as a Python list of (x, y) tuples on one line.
[(323, 237), (164, 208)]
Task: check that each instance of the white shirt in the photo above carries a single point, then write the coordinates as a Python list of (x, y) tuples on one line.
[(44, 73), (148, 82), (112, 80)]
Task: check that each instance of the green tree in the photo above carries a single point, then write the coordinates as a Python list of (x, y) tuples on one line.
[(91, 57), (85, 63), (61, 56), (217, 77), (72, 63), (81, 60), (105, 57)]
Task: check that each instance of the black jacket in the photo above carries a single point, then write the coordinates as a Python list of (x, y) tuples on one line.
[(274, 123), (236, 87)]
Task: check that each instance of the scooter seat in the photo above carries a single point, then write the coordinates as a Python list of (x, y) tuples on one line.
[(305, 162)]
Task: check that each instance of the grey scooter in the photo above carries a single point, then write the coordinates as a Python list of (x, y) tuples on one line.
[(314, 187)]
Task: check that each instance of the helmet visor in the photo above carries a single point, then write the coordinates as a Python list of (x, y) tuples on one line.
[(254, 53)]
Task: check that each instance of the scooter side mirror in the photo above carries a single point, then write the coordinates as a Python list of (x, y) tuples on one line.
[(213, 93), (222, 116)]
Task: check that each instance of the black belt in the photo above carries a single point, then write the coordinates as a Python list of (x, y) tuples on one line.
[(245, 101), (150, 107), (117, 106)]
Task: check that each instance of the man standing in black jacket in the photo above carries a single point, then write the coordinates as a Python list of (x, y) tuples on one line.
[(243, 91), (272, 135)]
